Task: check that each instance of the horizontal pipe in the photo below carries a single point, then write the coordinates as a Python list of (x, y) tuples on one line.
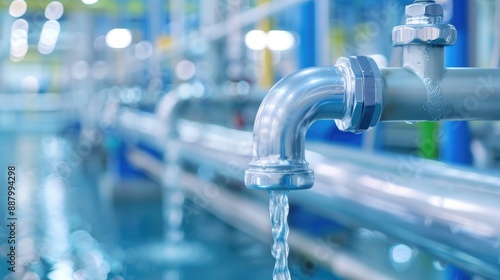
[(139, 126), (458, 223), (462, 94), (252, 217), (420, 210), (396, 168)]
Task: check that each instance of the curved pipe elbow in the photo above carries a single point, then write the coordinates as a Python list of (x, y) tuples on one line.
[(349, 92)]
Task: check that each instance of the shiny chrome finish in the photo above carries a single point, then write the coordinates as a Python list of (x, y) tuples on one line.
[(251, 216), (462, 94), (451, 212), (350, 92), (457, 221)]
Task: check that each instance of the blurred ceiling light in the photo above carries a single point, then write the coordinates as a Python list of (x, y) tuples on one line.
[(20, 24), (19, 40), (256, 40), (280, 40), (30, 84), (18, 37), (18, 53), (143, 50), (185, 70), (50, 32), (276, 40), (54, 10), (17, 8), (48, 37), (118, 38), (89, 2)]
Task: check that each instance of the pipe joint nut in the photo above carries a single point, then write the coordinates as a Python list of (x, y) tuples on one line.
[(434, 34), (363, 95)]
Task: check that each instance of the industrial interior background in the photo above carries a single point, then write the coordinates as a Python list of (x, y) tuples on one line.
[(127, 125)]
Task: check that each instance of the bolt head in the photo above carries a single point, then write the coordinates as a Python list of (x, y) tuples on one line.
[(363, 94), (423, 9), (428, 33)]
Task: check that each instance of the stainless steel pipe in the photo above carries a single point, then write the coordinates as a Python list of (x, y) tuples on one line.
[(462, 94), (286, 114), (350, 93), (451, 212), (422, 90), (251, 216), (455, 222)]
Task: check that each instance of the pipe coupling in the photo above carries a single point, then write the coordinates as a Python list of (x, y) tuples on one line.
[(363, 94)]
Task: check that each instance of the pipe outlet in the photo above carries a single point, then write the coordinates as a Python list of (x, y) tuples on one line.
[(349, 93)]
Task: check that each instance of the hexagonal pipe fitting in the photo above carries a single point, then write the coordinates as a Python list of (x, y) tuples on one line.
[(444, 34), (350, 93), (365, 100), (424, 26)]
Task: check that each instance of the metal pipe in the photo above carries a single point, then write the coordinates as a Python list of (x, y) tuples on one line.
[(424, 208), (251, 216), (455, 222), (395, 168), (346, 92), (286, 113), (462, 94)]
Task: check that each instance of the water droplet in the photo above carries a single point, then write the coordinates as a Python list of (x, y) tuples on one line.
[(410, 122)]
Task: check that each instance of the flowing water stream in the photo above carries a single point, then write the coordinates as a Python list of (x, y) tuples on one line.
[(278, 208)]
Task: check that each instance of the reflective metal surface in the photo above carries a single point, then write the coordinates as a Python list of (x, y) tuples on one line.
[(286, 113), (455, 222), (464, 93), (350, 93)]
